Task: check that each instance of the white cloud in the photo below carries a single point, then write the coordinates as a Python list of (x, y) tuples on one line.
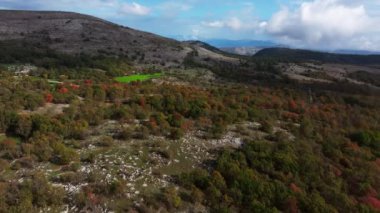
[(215, 24), (325, 24), (172, 9), (233, 23), (134, 9), (174, 6)]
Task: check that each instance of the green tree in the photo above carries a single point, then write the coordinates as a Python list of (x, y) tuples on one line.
[(63, 155), (24, 126)]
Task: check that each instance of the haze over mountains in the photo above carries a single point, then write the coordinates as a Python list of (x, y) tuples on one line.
[(241, 47)]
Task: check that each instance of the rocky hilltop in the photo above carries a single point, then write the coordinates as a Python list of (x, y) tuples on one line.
[(75, 33)]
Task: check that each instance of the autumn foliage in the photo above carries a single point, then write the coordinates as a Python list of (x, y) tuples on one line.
[(63, 90), (372, 201), (295, 188), (49, 98)]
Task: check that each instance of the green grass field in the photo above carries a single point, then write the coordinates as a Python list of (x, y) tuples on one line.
[(53, 82), (138, 77)]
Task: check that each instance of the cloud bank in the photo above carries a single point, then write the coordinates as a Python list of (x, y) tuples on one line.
[(316, 24), (326, 24), (134, 9)]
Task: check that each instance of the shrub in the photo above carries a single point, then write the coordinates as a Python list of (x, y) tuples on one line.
[(197, 195), (164, 153), (24, 127), (142, 133), (126, 133), (10, 149), (3, 165), (267, 127), (23, 163), (367, 138), (63, 155), (40, 146), (69, 177), (105, 141), (176, 133), (89, 157), (171, 198), (216, 130)]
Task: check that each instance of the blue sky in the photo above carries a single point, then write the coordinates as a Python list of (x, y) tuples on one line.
[(318, 24)]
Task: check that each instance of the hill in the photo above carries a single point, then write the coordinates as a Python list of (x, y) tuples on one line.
[(73, 33), (25, 34)]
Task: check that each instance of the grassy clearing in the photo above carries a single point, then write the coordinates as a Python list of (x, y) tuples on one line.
[(138, 77), (53, 82)]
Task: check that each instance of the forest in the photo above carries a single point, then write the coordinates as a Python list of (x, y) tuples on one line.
[(313, 151)]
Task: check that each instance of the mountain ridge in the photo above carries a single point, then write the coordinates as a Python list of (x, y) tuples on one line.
[(296, 55), (74, 33), (77, 34)]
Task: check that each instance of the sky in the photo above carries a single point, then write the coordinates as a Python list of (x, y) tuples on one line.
[(314, 24)]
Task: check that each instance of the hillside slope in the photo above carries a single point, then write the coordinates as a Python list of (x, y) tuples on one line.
[(74, 33)]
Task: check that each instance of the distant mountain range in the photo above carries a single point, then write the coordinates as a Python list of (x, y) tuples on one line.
[(251, 47), (298, 55), (356, 52), (241, 47), (225, 43)]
